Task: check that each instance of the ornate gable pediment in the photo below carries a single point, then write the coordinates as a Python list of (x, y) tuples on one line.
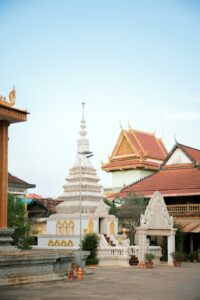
[(124, 148), (156, 215)]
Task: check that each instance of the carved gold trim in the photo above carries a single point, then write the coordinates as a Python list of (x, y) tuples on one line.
[(63, 243), (50, 243), (112, 228), (90, 226), (70, 243), (57, 243)]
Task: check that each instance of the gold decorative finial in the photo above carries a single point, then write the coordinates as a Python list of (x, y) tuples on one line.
[(129, 125), (120, 124), (11, 102), (162, 136)]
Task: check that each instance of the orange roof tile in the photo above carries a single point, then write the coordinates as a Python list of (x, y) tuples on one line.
[(34, 196), (170, 182), (193, 153)]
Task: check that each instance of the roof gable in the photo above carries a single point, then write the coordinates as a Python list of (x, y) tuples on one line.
[(192, 153), (124, 147), (178, 157)]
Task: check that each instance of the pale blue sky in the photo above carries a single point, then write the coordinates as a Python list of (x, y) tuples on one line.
[(128, 60)]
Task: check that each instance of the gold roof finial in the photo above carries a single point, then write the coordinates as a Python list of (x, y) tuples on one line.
[(162, 135), (120, 124), (129, 125), (12, 96)]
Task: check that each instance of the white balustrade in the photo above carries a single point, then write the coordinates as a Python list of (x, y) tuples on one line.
[(112, 251)]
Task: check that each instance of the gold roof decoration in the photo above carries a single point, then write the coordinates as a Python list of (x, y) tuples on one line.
[(11, 102)]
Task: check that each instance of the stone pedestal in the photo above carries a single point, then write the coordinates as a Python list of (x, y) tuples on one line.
[(6, 239)]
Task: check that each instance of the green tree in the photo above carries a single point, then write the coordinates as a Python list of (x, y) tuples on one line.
[(18, 220), (129, 213), (91, 243), (111, 204)]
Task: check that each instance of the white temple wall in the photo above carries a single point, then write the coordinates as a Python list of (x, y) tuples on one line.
[(51, 227), (103, 226), (125, 177)]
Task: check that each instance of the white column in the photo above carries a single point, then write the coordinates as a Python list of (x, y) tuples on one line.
[(171, 246), (142, 246)]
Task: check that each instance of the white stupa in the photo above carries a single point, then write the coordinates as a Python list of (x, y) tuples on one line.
[(83, 209)]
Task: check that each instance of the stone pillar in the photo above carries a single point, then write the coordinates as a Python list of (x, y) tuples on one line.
[(171, 246), (3, 173), (142, 242)]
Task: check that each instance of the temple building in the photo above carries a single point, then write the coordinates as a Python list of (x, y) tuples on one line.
[(83, 209), (135, 155), (18, 187), (178, 180)]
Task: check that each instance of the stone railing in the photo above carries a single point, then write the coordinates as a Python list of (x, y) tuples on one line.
[(133, 250), (184, 210), (156, 250), (112, 251)]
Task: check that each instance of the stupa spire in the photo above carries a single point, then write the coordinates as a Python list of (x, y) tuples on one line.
[(83, 142), (83, 132)]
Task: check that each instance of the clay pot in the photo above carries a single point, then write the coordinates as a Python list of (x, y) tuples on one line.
[(177, 263), (149, 264)]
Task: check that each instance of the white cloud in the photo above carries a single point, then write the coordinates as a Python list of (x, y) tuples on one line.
[(183, 116)]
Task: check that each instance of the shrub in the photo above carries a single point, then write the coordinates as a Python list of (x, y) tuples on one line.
[(178, 256), (90, 243), (149, 256), (92, 261)]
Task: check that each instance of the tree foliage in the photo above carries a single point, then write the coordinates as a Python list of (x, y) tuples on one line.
[(17, 219), (129, 213), (111, 204)]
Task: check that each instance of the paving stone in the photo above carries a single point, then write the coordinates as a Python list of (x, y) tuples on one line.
[(160, 283)]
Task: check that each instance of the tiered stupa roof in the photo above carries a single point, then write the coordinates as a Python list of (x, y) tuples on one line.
[(82, 184)]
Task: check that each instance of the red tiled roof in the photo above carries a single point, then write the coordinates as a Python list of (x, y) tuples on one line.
[(48, 203), (34, 196), (152, 145), (170, 182), (189, 226), (193, 153), (145, 145), (12, 180)]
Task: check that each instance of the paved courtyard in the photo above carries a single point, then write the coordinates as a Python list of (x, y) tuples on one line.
[(131, 283)]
